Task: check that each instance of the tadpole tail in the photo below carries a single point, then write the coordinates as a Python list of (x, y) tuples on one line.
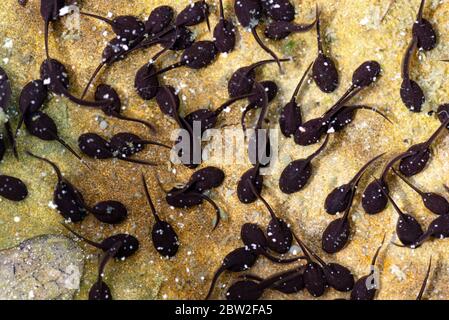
[(411, 185), (214, 205), (306, 250), (318, 30), (386, 194), (267, 205), (266, 49), (51, 163), (11, 138), (279, 260), (163, 70), (345, 97), (263, 62), (110, 253), (206, 15), (373, 262), (231, 101), (108, 21), (46, 27), (426, 278), (92, 78), (248, 108), (354, 181), (137, 161), (19, 124), (214, 280), (81, 102), (405, 70), (145, 123), (391, 164), (222, 17), (70, 149), (437, 133), (264, 107), (282, 276), (420, 11), (301, 82), (373, 110), (154, 143), (320, 149), (251, 277), (149, 200), (92, 243), (304, 27)]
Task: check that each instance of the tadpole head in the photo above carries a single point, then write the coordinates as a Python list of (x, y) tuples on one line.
[(129, 245), (279, 10), (128, 28), (126, 144), (295, 176), (364, 289), (408, 229), (426, 35), (412, 95), (366, 74), (112, 212), (339, 277), (54, 75), (69, 201), (244, 192), (40, 125), (165, 239), (184, 39), (336, 235), (168, 101), (12, 188), (32, 97), (241, 82), (50, 9), (279, 236), (105, 92), (224, 35), (315, 279), (199, 55), (244, 290), (416, 161), (253, 237), (325, 74), (146, 86), (94, 146), (182, 200), (248, 12), (310, 132), (436, 203), (159, 19), (100, 291), (373, 199), (193, 14), (206, 179), (290, 119), (338, 199)]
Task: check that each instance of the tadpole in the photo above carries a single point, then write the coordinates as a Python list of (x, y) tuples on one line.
[(68, 200), (291, 118), (251, 177), (32, 98), (249, 13), (129, 243), (297, 173), (364, 288), (424, 31), (325, 72), (105, 92), (278, 231), (12, 188), (338, 199), (411, 93), (164, 237), (408, 229), (435, 202), (40, 125), (224, 33), (50, 12)]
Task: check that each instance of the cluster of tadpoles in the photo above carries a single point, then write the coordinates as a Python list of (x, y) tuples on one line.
[(172, 33)]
